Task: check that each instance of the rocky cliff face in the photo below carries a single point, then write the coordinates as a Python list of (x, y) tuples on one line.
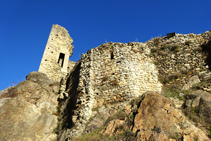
[(151, 117), (28, 111)]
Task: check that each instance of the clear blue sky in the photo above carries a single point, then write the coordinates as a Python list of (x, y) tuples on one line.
[(25, 26)]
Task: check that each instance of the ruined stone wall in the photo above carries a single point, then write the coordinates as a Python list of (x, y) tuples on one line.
[(110, 74), (182, 54), (71, 64), (58, 49), (122, 71), (114, 73)]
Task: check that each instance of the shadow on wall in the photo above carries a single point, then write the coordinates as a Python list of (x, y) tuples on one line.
[(206, 49), (72, 85)]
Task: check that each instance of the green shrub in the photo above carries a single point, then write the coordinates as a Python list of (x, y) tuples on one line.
[(209, 131), (172, 90), (95, 109), (155, 62), (192, 114), (56, 130), (129, 135), (156, 129), (131, 117), (163, 79)]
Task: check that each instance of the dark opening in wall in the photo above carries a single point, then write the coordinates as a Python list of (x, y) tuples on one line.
[(206, 49), (112, 55), (61, 59)]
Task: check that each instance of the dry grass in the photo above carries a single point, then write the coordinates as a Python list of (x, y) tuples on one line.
[(154, 50), (162, 53), (175, 48), (198, 49), (114, 83), (135, 50), (184, 71), (10, 94), (164, 46), (97, 135), (188, 42), (156, 41), (105, 78), (172, 90)]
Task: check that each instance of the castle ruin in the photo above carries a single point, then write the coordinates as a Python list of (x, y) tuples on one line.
[(55, 60), (108, 74)]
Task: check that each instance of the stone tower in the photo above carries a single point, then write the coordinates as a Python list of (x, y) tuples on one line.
[(58, 49)]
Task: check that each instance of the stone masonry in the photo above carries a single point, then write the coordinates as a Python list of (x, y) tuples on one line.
[(187, 54), (55, 58), (110, 74), (117, 72)]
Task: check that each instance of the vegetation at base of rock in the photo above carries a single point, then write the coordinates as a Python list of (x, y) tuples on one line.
[(155, 62), (95, 109), (201, 85), (209, 131), (96, 136), (171, 90), (156, 129), (192, 114), (58, 111), (56, 130), (119, 115)]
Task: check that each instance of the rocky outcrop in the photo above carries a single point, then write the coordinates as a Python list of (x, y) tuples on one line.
[(151, 117), (158, 119), (198, 107), (28, 110), (193, 80)]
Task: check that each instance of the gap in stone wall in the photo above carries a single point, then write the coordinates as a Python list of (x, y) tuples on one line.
[(61, 59), (206, 49)]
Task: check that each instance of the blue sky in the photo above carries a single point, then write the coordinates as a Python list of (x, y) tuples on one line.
[(25, 26)]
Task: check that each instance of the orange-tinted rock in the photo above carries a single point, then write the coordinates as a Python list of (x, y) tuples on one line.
[(158, 118)]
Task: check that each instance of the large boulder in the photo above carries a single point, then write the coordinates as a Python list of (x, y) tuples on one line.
[(28, 110), (39, 78), (158, 119), (198, 103), (193, 80)]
